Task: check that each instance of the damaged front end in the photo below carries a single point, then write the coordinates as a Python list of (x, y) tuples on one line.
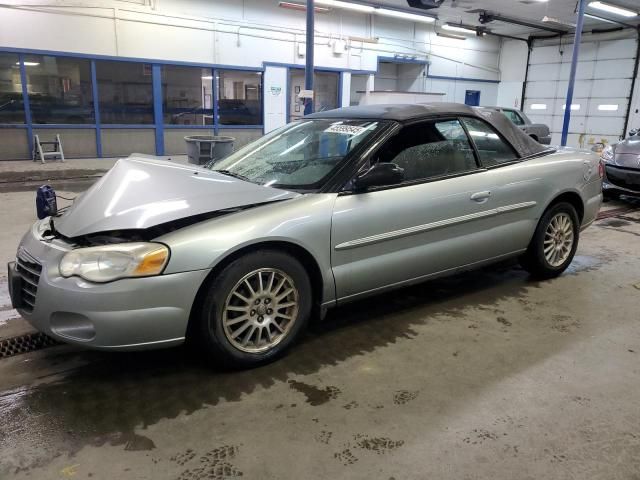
[(142, 198), (134, 234)]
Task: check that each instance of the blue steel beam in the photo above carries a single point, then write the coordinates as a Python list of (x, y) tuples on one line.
[(308, 70), (156, 72), (27, 105), (572, 76)]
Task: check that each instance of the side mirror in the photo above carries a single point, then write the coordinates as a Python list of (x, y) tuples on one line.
[(379, 175), (634, 132)]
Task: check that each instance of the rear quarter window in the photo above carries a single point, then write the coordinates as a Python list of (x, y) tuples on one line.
[(492, 149)]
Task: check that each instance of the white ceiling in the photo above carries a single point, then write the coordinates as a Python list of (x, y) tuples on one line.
[(529, 10)]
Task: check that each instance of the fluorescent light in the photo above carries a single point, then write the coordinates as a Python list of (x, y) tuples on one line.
[(404, 15), (595, 17), (459, 28), (606, 7), (557, 21), (207, 77), (538, 106), (574, 106), (608, 108), (346, 5), (448, 35), (29, 64), (301, 7), (386, 12)]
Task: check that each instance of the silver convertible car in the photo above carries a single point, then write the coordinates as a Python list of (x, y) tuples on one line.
[(238, 256)]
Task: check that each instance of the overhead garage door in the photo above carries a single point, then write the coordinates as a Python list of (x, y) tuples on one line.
[(601, 94)]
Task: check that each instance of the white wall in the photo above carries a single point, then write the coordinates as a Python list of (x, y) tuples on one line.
[(513, 66), (275, 97), (247, 33)]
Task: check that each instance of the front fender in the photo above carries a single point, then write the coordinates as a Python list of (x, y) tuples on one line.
[(304, 221)]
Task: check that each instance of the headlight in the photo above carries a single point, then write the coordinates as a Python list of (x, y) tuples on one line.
[(607, 154), (111, 262)]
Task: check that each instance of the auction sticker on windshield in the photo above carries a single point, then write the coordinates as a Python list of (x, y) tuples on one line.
[(345, 129)]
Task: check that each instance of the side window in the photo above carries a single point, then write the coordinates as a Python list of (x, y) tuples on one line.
[(492, 149), (430, 149), (514, 117)]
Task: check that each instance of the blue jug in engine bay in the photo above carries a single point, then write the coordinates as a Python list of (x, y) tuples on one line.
[(46, 203)]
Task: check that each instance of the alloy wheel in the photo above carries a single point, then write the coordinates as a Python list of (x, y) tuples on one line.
[(260, 310), (558, 239)]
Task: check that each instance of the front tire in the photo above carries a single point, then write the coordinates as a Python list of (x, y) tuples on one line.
[(554, 242), (255, 309)]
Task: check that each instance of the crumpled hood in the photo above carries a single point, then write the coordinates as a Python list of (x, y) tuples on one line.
[(141, 192)]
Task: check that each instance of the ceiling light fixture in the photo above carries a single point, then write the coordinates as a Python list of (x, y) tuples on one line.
[(449, 35), (595, 17), (386, 12), (346, 5), (614, 9), (460, 29), (301, 7), (404, 15), (557, 21), (29, 64)]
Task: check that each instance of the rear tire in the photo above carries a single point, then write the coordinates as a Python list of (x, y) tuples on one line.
[(554, 242), (254, 310)]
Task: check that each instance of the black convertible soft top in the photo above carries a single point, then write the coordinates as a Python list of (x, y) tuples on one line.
[(524, 144)]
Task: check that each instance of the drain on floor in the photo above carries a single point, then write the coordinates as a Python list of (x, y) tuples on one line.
[(25, 343)]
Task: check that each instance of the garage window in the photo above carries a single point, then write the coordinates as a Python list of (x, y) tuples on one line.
[(125, 92), (59, 89), (187, 96), (492, 149), (239, 97), (11, 103)]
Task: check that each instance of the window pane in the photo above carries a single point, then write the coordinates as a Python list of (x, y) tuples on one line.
[(325, 88), (429, 150), (59, 89), (187, 95), (125, 92), (514, 117), (239, 97), (11, 104), (492, 149)]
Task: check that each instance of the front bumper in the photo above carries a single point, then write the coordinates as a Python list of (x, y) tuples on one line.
[(127, 314), (545, 140), (621, 180)]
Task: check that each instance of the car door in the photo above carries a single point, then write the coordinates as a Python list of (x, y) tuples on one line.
[(438, 219), (518, 189)]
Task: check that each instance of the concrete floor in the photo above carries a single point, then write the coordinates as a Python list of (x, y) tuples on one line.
[(483, 375)]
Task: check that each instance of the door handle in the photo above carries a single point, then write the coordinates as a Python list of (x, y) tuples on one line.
[(481, 197)]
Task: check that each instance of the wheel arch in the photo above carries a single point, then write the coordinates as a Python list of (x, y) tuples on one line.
[(534, 136), (571, 197), (300, 253)]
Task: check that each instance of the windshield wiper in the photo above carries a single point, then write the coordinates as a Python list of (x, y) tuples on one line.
[(234, 175)]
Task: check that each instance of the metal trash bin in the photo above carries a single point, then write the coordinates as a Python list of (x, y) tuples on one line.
[(205, 148)]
